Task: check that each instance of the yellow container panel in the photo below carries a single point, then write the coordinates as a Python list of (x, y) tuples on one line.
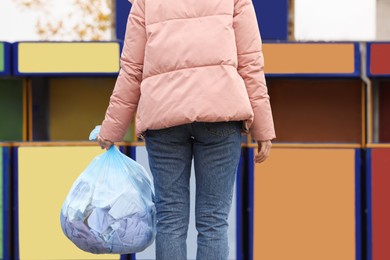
[(45, 177)]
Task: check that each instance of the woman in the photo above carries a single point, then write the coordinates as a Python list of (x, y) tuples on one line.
[(193, 70)]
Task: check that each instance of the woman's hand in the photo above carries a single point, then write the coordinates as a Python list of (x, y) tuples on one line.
[(104, 144), (263, 151)]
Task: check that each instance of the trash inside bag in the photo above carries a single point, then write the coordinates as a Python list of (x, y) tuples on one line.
[(110, 209)]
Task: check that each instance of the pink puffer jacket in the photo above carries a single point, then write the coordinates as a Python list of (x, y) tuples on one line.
[(186, 61)]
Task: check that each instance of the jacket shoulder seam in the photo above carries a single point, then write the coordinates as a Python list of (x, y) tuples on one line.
[(247, 3)]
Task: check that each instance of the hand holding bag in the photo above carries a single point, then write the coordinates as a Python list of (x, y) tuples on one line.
[(110, 208)]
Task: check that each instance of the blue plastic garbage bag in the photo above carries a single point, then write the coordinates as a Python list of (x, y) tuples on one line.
[(110, 208)]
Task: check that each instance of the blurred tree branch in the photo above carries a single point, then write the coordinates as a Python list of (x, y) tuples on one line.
[(87, 20)]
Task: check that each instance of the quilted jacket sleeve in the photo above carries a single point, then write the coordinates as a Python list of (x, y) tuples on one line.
[(251, 68), (126, 94)]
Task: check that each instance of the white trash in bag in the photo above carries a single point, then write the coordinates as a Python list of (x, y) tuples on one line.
[(110, 208)]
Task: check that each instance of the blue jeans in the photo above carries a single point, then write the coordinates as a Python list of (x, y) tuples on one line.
[(216, 149)]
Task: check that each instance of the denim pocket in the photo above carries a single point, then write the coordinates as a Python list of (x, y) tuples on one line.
[(223, 129)]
